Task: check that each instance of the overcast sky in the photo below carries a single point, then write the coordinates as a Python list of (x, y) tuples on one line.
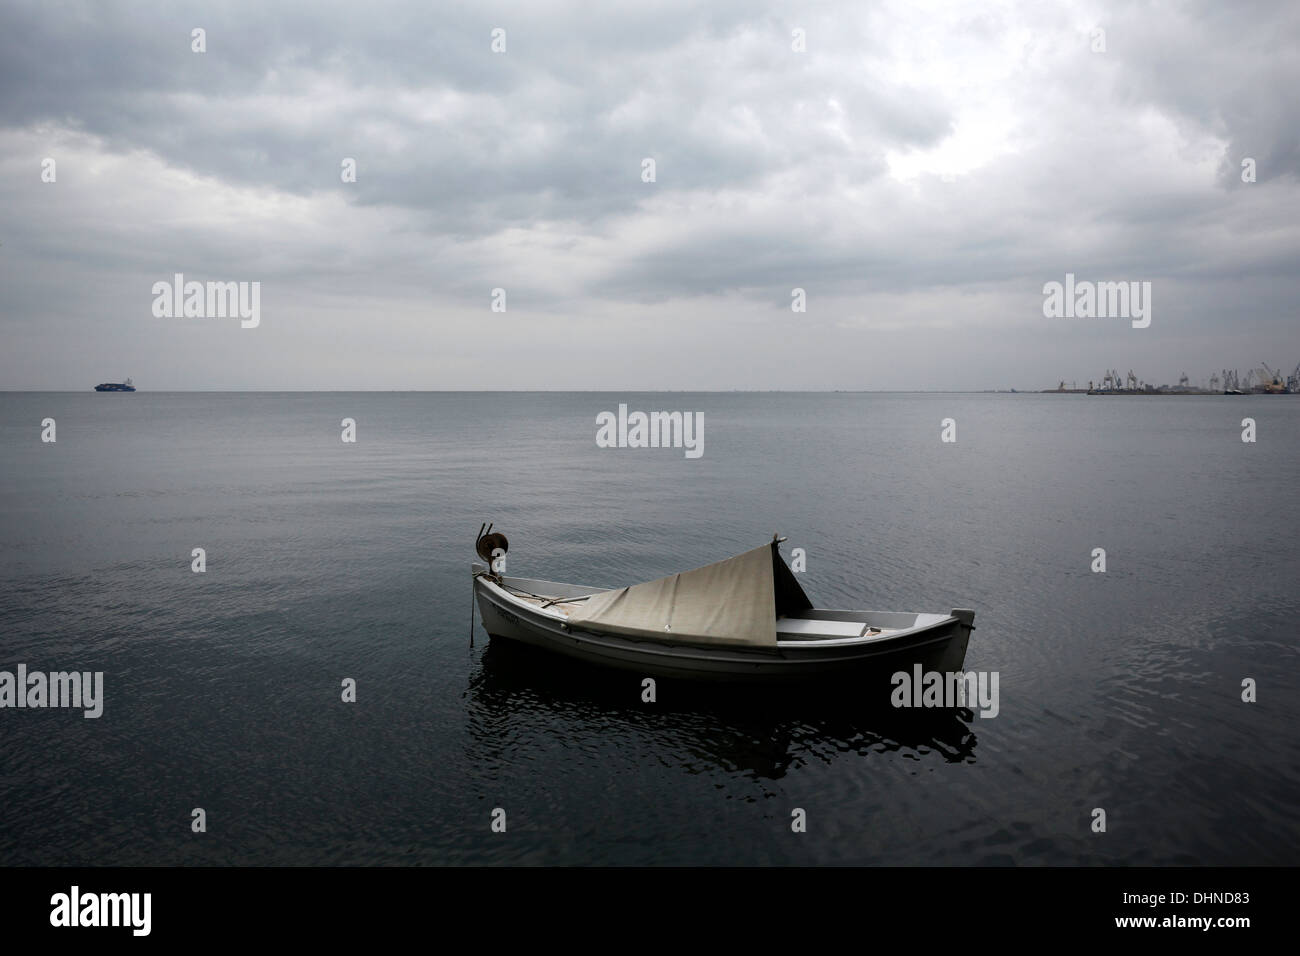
[(920, 170)]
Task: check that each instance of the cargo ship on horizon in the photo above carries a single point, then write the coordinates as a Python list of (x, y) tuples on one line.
[(115, 386)]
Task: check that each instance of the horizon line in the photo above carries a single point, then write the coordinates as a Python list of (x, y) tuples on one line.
[(526, 388)]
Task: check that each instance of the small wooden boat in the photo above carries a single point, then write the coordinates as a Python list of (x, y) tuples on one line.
[(742, 618)]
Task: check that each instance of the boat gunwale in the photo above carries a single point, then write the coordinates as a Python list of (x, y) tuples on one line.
[(884, 638)]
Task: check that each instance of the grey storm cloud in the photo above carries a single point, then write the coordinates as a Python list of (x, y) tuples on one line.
[(915, 159), (438, 123)]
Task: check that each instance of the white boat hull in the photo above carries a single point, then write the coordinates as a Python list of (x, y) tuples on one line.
[(937, 642)]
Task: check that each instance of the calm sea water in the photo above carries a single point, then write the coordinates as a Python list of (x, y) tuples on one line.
[(328, 560)]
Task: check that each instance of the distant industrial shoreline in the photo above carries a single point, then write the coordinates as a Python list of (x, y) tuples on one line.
[(1260, 381)]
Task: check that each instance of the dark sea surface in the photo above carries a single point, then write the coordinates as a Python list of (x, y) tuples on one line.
[(328, 560)]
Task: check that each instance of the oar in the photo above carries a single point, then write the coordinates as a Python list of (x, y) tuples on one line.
[(566, 600), (471, 612)]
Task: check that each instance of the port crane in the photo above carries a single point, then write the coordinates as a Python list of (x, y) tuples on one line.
[(1273, 381)]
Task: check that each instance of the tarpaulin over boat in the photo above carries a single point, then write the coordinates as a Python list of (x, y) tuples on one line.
[(736, 601)]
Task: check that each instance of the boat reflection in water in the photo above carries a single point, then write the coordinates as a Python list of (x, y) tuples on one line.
[(523, 697)]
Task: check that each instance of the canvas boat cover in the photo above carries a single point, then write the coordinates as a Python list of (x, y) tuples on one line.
[(732, 602)]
